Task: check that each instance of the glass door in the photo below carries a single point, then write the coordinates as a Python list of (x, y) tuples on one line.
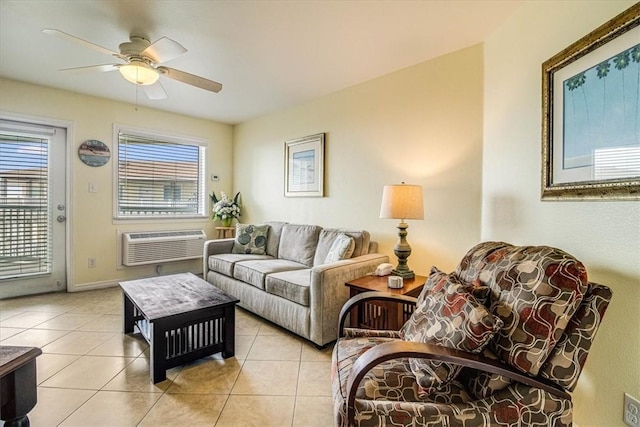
[(32, 209)]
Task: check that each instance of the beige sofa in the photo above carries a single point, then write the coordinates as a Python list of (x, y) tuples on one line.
[(291, 284)]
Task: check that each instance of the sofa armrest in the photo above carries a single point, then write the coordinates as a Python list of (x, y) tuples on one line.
[(328, 292), (214, 247)]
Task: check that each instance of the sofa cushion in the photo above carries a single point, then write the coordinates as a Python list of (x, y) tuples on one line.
[(361, 239), (482, 384), (291, 285), (255, 272), (298, 243), (565, 363), (251, 239), (342, 248), (223, 263), (449, 316), (391, 380), (273, 239), (535, 290)]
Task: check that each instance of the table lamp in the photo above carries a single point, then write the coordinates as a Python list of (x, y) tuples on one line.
[(402, 201)]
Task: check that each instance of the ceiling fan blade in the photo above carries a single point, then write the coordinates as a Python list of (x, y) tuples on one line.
[(100, 68), (83, 42), (190, 79), (164, 50), (154, 91)]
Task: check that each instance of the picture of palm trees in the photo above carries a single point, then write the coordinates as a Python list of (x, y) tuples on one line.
[(601, 114)]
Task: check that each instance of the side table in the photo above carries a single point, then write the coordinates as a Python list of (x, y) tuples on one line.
[(18, 391), (382, 315), (224, 232)]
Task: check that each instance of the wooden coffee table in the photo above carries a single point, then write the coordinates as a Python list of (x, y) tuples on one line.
[(182, 317)]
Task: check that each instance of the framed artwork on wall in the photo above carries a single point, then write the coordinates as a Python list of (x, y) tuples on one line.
[(591, 115), (304, 166)]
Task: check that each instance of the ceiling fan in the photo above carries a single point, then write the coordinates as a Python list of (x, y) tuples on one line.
[(142, 61)]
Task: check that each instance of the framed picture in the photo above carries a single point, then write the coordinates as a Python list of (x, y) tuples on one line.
[(591, 115), (304, 167)]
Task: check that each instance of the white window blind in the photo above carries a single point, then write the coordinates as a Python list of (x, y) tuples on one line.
[(159, 178), (24, 206)]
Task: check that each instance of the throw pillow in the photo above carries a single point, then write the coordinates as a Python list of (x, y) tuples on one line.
[(250, 239), (451, 317), (479, 291), (342, 248)]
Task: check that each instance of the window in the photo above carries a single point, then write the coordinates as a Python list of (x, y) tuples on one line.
[(24, 205), (159, 176)]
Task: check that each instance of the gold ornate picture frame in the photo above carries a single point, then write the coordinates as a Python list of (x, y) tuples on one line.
[(591, 115)]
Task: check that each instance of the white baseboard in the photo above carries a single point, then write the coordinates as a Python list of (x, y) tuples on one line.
[(115, 282)]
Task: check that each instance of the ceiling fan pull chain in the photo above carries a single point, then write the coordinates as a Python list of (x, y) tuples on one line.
[(137, 90)]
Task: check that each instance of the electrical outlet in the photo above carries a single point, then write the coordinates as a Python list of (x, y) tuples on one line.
[(91, 262), (631, 411)]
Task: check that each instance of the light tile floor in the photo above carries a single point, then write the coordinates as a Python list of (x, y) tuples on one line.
[(90, 374)]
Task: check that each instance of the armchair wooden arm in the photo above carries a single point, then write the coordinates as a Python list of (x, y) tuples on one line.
[(401, 349), (369, 296)]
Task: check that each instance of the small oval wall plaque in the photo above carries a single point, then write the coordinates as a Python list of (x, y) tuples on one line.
[(94, 153)]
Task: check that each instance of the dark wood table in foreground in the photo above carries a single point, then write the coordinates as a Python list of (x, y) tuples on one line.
[(382, 315), (18, 390), (182, 317)]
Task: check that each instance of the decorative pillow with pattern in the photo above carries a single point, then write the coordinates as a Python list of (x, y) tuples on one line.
[(341, 248), (449, 316), (250, 239), (480, 292)]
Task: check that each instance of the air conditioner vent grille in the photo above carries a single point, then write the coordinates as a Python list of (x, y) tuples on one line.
[(141, 248), (150, 234)]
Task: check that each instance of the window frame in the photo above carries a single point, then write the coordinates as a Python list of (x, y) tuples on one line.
[(161, 137)]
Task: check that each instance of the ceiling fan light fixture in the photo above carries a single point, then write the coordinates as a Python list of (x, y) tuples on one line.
[(139, 73)]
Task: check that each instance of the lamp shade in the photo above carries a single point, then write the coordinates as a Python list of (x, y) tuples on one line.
[(139, 73), (402, 201)]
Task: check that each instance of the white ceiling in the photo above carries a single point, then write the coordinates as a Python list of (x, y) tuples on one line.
[(268, 55)]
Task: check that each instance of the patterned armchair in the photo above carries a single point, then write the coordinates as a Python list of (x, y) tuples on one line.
[(500, 341)]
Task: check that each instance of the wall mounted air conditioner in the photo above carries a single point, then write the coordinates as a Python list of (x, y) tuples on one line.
[(154, 247)]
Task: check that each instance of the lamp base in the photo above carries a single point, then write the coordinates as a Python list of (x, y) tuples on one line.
[(402, 250), (408, 274)]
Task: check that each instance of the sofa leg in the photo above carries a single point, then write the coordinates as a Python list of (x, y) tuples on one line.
[(322, 347)]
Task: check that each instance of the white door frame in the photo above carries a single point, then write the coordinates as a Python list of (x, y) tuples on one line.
[(68, 125)]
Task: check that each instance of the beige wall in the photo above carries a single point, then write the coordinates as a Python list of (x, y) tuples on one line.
[(93, 230), (421, 125), (604, 235)]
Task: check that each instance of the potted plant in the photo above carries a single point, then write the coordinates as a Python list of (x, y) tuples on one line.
[(225, 209)]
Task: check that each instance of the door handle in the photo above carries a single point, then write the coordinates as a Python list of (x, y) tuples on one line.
[(61, 218)]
